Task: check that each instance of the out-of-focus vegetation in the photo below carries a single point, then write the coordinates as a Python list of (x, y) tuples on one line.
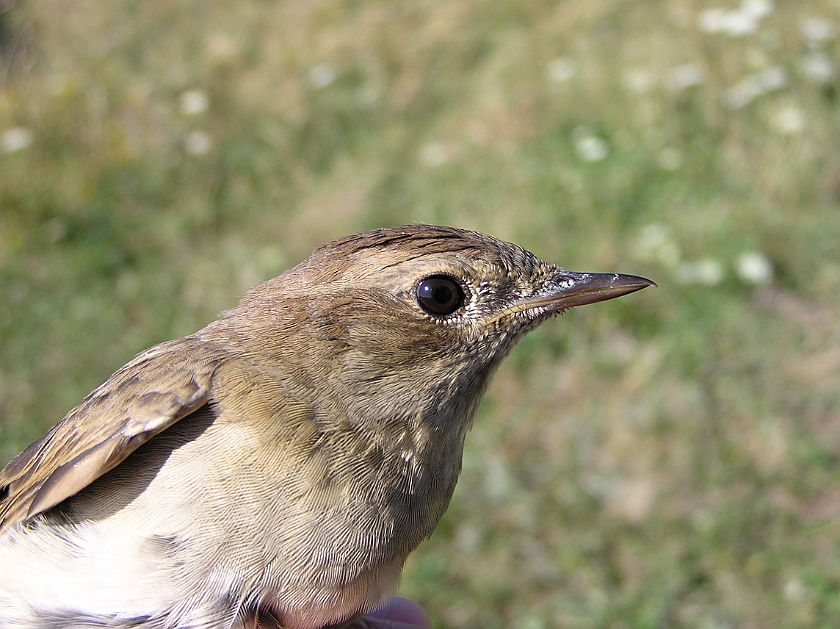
[(666, 460)]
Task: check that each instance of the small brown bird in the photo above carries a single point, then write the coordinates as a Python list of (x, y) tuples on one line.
[(276, 468)]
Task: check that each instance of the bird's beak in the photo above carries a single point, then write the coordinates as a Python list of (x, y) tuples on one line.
[(566, 289)]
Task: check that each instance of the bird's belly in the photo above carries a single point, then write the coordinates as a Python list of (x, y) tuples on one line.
[(94, 576), (110, 574), (189, 529), (192, 534), (333, 605)]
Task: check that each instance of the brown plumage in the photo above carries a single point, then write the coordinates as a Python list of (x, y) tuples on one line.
[(280, 464)]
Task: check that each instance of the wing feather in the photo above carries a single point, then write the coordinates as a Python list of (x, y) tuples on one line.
[(156, 389)]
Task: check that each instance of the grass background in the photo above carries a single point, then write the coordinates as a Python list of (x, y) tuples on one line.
[(665, 460)]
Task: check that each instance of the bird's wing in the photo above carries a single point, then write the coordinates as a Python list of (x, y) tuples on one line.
[(156, 389)]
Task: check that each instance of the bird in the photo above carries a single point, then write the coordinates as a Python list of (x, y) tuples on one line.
[(275, 468)]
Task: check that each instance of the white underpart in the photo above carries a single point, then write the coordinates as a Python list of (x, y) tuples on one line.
[(102, 570)]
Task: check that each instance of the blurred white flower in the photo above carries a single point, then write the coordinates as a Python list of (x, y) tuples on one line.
[(669, 158), (638, 80), (434, 154), (737, 22), (686, 75), (655, 244), (15, 139), (754, 267), (194, 102), (754, 85), (713, 20), (740, 23), (732, 23), (707, 272), (816, 30), (789, 120), (742, 93), (757, 8), (560, 70), (818, 68), (772, 78), (589, 147), (796, 591), (321, 75), (198, 143)]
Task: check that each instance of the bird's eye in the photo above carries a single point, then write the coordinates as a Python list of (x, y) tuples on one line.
[(439, 295)]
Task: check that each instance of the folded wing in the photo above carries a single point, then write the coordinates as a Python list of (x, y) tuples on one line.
[(156, 389)]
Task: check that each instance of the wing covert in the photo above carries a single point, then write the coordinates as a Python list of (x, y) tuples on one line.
[(156, 389)]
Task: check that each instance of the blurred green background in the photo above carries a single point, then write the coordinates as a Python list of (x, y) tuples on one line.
[(665, 460)]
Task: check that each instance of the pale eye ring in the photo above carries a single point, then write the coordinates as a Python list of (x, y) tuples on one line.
[(439, 295)]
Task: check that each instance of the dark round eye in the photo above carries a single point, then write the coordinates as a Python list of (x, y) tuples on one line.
[(439, 295)]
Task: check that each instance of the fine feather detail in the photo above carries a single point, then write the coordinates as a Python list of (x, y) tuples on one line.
[(278, 466), (159, 387)]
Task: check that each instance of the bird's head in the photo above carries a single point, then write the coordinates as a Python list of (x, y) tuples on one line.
[(424, 313)]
